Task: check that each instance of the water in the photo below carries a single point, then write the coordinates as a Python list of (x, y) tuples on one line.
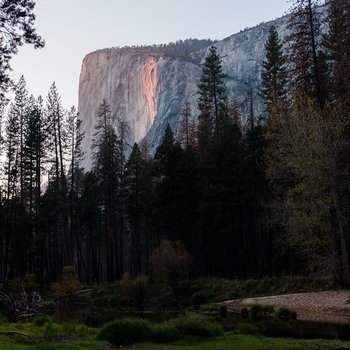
[(97, 316)]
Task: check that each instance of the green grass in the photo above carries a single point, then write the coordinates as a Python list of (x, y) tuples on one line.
[(242, 342), (50, 336), (17, 344), (229, 341)]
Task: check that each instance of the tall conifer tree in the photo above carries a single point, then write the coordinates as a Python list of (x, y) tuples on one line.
[(273, 76)]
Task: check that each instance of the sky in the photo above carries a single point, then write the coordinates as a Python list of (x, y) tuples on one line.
[(73, 28)]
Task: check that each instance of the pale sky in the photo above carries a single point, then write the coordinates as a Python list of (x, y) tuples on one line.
[(73, 28)]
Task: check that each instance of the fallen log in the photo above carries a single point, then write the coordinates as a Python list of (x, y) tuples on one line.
[(18, 333)]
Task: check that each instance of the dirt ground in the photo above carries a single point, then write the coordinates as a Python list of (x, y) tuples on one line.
[(328, 306)]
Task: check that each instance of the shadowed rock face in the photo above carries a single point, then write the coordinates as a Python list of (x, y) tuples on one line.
[(149, 89)]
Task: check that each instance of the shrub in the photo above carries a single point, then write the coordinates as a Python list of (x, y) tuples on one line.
[(165, 332), (126, 331), (50, 330), (3, 319), (193, 324), (247, 328), (15, 284), (170, 262), (68, 283), (136, 288), (286, 314), (223, 311), (259, 312), (201, 297), (30, 282), (244, 313), (68, 328), (256, 311), (41, 320)]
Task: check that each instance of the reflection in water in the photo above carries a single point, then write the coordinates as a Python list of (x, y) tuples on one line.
[(97, 316)]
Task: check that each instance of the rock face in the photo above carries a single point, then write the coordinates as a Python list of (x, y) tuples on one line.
[(149, 88), (145, 88)]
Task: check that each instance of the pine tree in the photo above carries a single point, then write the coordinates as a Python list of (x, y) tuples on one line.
[(106, 165), (58, 194), (211, 102), (34, 155), (304, 42), (75, 155), (338, 43), (273, 76), (133, 198), (17, 28), (20, 108), (187, 133)]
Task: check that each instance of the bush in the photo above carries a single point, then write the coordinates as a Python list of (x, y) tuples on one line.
[(192, 324), (50, 331), (223, 311), (3, 319), (68, 328), (126, 331), (68, 283), (201, 297), (41, 320), (135, 288), (256, 312), (247, 328), (286, 314), (244, 313), (30, 282), (15, 284), (165, 332), (259, 312)]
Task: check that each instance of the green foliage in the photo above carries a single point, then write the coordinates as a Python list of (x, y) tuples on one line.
[(41, 320), (201, 297), (15, 284), (126, 331), (245, 313), (50, 330), (3, 319), (165, 332), (223, 311), (273, 76), (30, 281), (286, 314), (246, 328), (256, 312), (194, 324)]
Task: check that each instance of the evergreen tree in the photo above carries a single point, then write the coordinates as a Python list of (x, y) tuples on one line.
[(211, 102), (106, 165), (273, 76), (186, 134), (35, 153), (134, 199), (57, 148), (17, 28), (75, 155), (304, 42), (10, 201), (20, 109), (338, 44)]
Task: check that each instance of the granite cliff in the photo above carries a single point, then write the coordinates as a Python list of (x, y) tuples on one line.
[(148, 86)]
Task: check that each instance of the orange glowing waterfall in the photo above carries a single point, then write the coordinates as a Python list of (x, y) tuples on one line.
[(149, 80)]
